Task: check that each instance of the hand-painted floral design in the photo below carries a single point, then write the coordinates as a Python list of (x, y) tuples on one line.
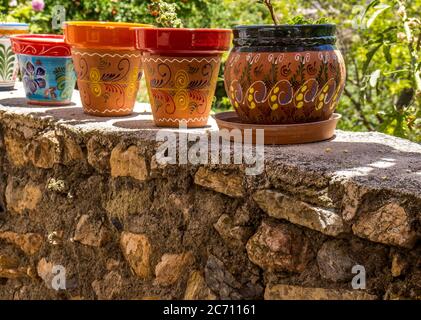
[(34, 77)]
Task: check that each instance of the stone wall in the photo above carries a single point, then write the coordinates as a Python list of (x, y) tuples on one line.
[(87, 193)]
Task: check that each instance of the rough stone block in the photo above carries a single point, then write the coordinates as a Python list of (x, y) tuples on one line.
[(197, 288), (29, 243), (280, 206), (91, 231), (172, 267), (127, 162), (99, 153), (279, 247), (229, 184), (232, 234), (390, 225), (16, 148), (335, 261), (137, 250), (22, 197), (44, 152)]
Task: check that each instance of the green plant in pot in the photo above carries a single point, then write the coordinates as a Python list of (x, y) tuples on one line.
[(285, 73)]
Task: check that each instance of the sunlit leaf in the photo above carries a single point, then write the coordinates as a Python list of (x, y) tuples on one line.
[(387, 54), (370, 56), (380, 9), (374, 77)]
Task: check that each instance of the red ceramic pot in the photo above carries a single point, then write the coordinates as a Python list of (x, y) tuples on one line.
[(181, 69)]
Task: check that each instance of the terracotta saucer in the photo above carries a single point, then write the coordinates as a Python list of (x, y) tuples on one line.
[(282, 134)]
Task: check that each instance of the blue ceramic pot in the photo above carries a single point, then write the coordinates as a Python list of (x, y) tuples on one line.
[(46, 68), (47, 80)]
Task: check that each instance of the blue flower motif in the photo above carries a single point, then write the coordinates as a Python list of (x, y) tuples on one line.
[(34, 78)]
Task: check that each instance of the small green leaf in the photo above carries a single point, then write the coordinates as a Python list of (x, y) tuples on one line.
[(370, 56), (387, 54), (380, 9), (374, 77), (371, 4)]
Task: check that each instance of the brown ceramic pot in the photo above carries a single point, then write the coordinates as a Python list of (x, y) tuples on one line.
[(108, 81), (107, 65), (284, 74)]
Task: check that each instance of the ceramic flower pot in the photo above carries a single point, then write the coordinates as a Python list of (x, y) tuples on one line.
[(8, 62), (107, 64), (181, 70), (284, 74), (46, 68)]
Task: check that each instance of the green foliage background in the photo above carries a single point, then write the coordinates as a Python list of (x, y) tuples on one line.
[(382, 60)]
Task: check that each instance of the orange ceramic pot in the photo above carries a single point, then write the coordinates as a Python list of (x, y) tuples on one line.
[(107, 65), (284, 74), (181, 70)]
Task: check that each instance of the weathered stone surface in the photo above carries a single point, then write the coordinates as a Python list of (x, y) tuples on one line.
[(399, 265), (279, 247), (390, 225), (16, 148), (71, 151), (7, 261), (91, 231), (172, 267), (229, 184), (220, 280), (108, 288), (280, 206), (126, 202), (352, 199), (112, 264), (288, 292), (232, 234), (335, 261), (44, 152), (45, 271), (128, 162), (361, 173), (30, 243), (99, 153), (197, 288), (22, 197), (137, 251), (21, 272)]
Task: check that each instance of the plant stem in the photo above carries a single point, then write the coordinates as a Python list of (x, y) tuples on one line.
[(412, 47), (272, 12)]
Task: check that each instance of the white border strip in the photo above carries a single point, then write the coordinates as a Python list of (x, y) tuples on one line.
[(107, 110), (179, 120), (129, 55), (216, 60)]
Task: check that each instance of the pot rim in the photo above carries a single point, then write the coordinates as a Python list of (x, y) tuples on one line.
[(102, 35), (179, 41), (40, 38), (106, 24), (285, 35), (189, 30), (283, 26), (48, 45), (12, 25)]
